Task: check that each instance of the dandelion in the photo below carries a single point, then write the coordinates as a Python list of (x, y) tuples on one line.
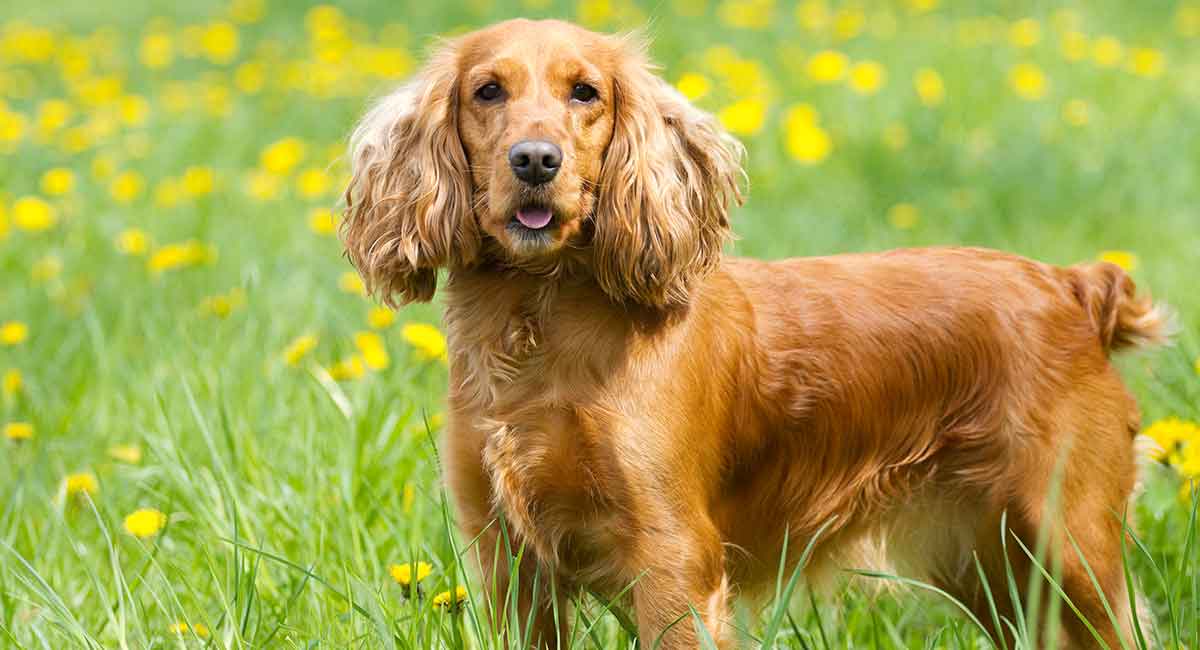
[(18, 431), (13, 332), (374, 353), (1028, 81), (250, 77), (299, 348), (181, 628), (380, 318), (848, 23), (410, 496), (806, 141), (350, 282), (11, 382), (132, 241), (46, 268), (1170, 434), (1074, 46), (812, 15), (746, 14), (411, 573), (52, 115), (828, 66), (745, 117), (58, 181), (1025, 33), (130, 454), (135, 110), (1147, 62), (1124, 259), (451, 602), (428, 341), (33, 214), (322, 221), (157, 51), (283, 155), (312, 183), (177, 256), (219, 42), (693, 86), (1076, 112), (349, 368), (1107, 52), (145, 522), (126, 186), (867, 77), (222, 305), (79, 484), (198, 181), (903, 216), (929, 86)]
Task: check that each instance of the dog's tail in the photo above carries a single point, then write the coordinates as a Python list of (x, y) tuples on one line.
[(1121, 317)]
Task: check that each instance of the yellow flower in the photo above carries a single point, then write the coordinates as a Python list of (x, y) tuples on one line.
[(1147, 62), (746, 14), (1076, 112), (146, 522), (904, 216), (812, 14), (1171, 433), (1025, 33), (12, 125), (410, 496), (1075, 46), (1196, 366), (693, 86), (13, 333), (175, 256), (848, 23), (181, 628), (428, 341), (282, 156), (18, 431), (806, 141), (745, 117), (167, 193), (312, 183), (33, 214), (374, 352), (867, 77), (250, 77), (79, 484), (1107, 51), (45, 268), (131, 454), (11, 382), (322, 221), (132, 241), (921, 6), (349, 368), (299, 348), (410, 573), (827, 66), (351, 283), (198, 181), (447, 601), (1028, 81), (126, 186), (930, 88), (222, 305), (58, 181), (134, 110), (52, 115), (1123, 259), (380, 317), (220, 42), (156, 51)]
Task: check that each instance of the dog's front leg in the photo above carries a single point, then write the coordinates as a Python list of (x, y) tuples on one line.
[(683, 571)]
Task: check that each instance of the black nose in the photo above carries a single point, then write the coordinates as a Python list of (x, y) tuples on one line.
[(535, 161)]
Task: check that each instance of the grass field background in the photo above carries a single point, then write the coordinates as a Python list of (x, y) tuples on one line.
[(211, 437)]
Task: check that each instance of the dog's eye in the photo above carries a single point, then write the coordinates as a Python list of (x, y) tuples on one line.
[(489, 92), (583, 93)]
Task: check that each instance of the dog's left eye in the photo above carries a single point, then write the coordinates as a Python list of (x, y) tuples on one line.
[(584, 93)]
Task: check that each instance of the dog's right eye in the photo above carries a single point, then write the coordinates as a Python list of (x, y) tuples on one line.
[(489, 92)]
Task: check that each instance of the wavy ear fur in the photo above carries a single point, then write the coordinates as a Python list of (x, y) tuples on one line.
[(408, 205), (668, 178)]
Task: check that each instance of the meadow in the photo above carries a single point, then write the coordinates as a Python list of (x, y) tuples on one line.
[(212, 438)]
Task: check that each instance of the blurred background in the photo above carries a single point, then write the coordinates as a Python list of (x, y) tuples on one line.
[(193, 378)]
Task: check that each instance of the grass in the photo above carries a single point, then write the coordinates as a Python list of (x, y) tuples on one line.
[(290, 489)]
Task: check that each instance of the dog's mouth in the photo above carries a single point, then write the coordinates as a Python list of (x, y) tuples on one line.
[(533, 217)]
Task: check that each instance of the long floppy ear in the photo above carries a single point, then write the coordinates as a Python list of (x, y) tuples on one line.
[(667, 181), (408, 205)]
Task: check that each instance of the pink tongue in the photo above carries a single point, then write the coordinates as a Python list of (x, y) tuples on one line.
[(534, 218)]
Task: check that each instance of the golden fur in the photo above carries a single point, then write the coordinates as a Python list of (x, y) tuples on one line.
[(638, 408)]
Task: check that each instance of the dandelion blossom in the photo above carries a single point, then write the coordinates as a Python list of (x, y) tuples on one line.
[(126, 186), (132, 241), (930, 87), (1124, 259), (13, 333), (11, 382), (347, 369), (1107, 52), (146, 522), (299, 348), (350, 282), (1147, 62), (806, 141), (58, 181), (130, 454), (1028, 81), (181, 628), (410, 573), (428, 341), (374, 353), (380, 318), (79, 484), (693, 86), (283, 155), (33, 214), (828, 66), (745, 117), (451, 602), (313, 183), (867, 77), (198, 181), (18, 431), (1170, 434)]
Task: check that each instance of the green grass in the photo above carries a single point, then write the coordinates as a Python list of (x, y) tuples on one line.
[(290, 493)]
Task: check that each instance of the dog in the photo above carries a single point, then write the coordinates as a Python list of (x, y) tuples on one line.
[(637, 411)]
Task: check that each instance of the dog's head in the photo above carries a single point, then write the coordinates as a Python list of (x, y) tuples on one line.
[(526, 142)]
